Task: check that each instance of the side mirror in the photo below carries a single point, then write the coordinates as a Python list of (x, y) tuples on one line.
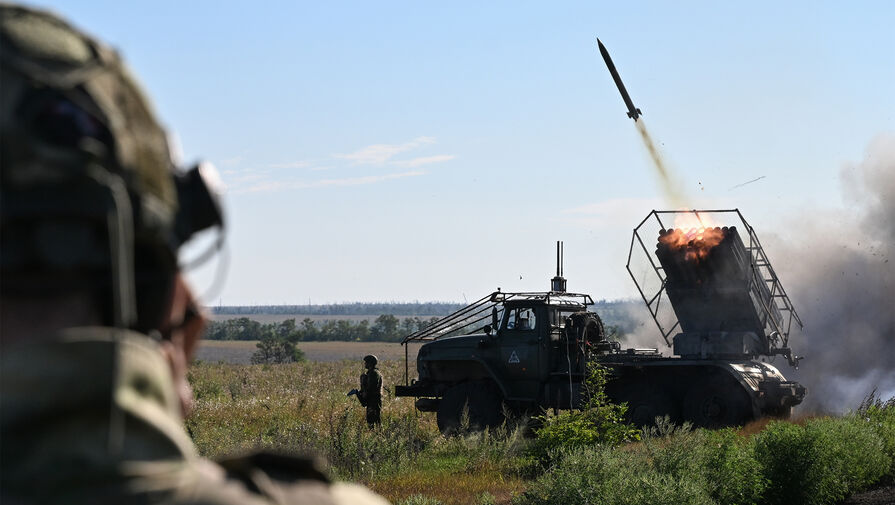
[(493, 317), (488, 329)]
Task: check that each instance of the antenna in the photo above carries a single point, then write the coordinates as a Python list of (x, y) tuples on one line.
[(558, 283)]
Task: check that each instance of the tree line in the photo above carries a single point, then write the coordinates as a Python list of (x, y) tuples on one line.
[(385, 328), (345, 309)]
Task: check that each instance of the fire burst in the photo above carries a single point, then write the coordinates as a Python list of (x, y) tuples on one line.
[(697, 243)]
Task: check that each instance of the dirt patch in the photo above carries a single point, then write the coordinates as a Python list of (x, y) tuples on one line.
[(883, 495)]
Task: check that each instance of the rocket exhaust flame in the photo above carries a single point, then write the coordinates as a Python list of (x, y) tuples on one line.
[(697, 243)]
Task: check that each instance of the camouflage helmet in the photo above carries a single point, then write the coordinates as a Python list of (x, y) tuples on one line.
[(370, 360), (88, 187)]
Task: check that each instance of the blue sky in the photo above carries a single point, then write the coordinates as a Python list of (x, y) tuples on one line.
[(423, 151)]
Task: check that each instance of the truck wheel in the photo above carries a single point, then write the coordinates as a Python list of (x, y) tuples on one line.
[(481, 400), (647, 401), (713, 405)]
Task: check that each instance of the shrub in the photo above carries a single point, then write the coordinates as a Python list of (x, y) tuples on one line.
[(599, 422), (274, 349), (610, 476), (821, 462)]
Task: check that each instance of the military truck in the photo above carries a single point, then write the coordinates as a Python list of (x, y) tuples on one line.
[(520, 353)]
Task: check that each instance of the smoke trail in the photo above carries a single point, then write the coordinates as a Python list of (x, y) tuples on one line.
[(670, 185), (839, 270)]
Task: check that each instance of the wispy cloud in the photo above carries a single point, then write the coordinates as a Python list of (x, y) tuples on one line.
[(291, 164), (281, 176), (229, 162), (378, 154), (612, 212), (267, 186), (424, 160)]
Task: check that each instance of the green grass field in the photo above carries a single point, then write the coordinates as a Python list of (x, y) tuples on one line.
[(302, 407)]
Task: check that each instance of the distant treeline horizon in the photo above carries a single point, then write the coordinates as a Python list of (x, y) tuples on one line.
[(374, 308), (387, 322)]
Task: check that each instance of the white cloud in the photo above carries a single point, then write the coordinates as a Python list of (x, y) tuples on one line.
[(424, 160), (378, 154)]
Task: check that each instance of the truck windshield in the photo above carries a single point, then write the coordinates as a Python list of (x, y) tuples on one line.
[(521, 318)]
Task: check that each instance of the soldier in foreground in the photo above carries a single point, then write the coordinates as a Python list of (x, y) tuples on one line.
[(97, 325), (370, 392)]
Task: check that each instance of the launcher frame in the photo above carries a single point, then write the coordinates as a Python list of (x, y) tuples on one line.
[(780, 313)]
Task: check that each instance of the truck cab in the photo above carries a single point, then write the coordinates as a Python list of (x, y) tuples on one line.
[(524, 360)]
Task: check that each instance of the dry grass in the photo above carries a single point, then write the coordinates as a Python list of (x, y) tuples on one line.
[(302, 408), (452, 487)]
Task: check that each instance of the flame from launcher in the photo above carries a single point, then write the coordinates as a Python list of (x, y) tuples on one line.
[(697, 243)]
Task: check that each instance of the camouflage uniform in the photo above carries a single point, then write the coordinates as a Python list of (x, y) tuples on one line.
[(91, 417), (91, 206), (371, 391)]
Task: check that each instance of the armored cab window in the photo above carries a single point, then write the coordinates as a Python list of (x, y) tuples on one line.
[(521, 319)]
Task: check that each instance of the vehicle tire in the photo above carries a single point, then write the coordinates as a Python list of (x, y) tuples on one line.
[(717, 404), (647, 401), (482, 402)]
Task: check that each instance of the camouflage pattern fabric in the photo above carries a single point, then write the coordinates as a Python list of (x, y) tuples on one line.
[(91, 417), (371, 391)]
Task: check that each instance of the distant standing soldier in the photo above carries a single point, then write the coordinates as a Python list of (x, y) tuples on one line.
[(371, 390)]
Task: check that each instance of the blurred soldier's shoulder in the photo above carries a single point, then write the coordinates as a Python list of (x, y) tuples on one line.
[(275, 478), (105, 428)]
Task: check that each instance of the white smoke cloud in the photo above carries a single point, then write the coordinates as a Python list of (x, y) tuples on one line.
[(839, 269)]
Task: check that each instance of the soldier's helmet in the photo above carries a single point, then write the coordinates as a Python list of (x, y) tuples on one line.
[(89, 193), (370, 360)]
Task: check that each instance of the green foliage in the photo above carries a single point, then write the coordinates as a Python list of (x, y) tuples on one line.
[(276, 349), (880, 416), (487, 498), (820, 462), (605, 475), (599, 422), (385, 328), (418, 499)]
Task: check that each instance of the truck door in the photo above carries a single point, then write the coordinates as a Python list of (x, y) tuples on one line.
[(519, 351)]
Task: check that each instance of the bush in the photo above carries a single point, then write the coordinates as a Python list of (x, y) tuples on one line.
[(599, 422), (275, 349), (822, 461), (611, 476)]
